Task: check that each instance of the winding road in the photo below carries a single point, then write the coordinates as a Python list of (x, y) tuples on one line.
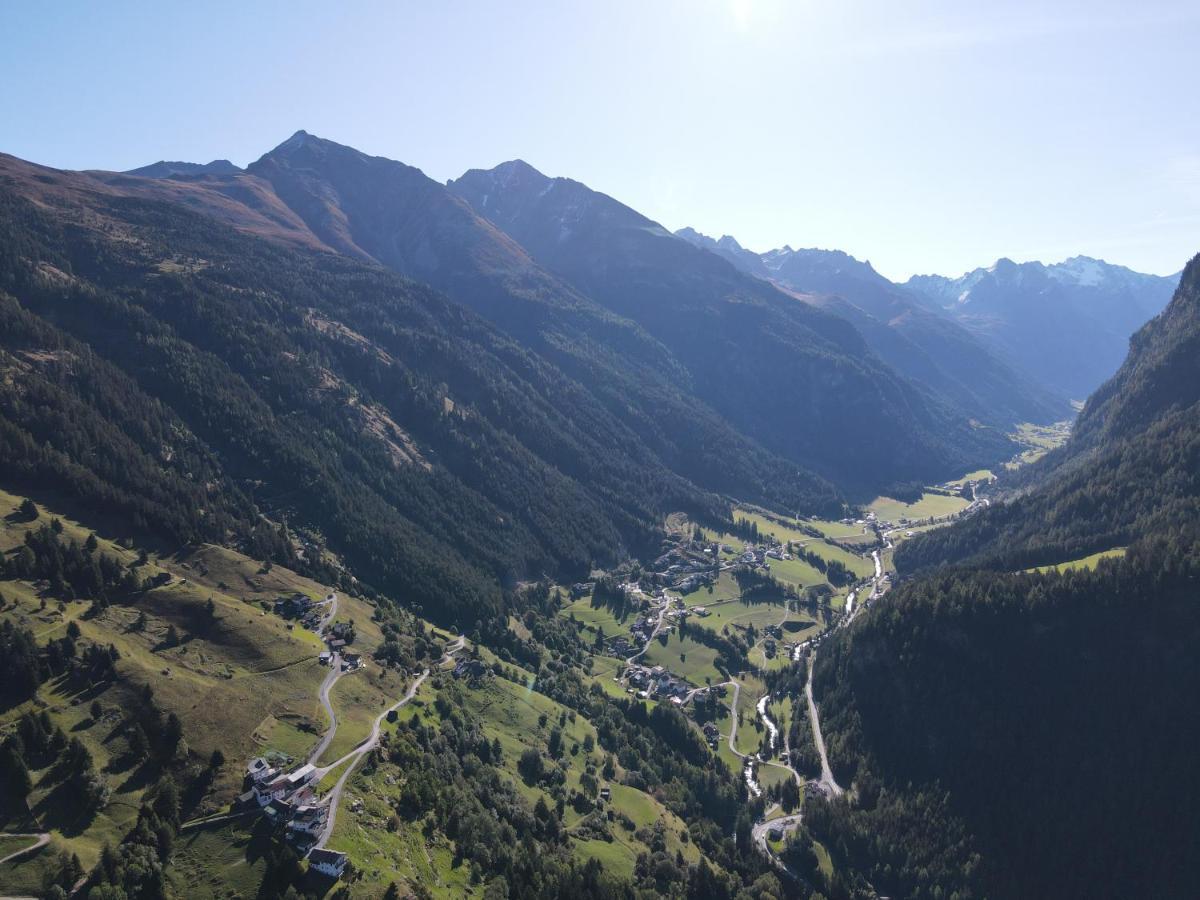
[(662, 613), (335, 796), (353, 757), (43, 838), (335, 672), (784, 824)]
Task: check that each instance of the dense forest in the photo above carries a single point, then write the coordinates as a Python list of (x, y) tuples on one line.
[(1046, 720), (368, 413)]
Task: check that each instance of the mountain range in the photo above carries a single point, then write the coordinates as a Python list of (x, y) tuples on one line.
[(1030, 334), (452, 404)]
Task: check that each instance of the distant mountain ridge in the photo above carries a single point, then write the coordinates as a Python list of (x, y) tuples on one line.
[(1063, 327), (923, 344), (1130, 469), (1068, 324), (746, 344), (171, 168)]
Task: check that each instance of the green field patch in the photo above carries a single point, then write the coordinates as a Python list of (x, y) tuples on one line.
[(929, 506), (740, 614), (685, 657), (358, 698), (977, 475), (1038, 440), (221, 860), (616, 858), (1086, 563), (594, 616), (771, 775)]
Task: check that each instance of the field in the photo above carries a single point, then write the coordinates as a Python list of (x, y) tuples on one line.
[(1088, 562), (1038, 440), (685, 657), (978, 475), (737, 613), (595, 616), (223, 860), (358, 698), (929, 506)]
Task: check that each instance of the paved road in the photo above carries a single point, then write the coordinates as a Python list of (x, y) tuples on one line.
[(335, 796), (784, 824), (826, 773), (43, 838), (335, 672), (662, 613)]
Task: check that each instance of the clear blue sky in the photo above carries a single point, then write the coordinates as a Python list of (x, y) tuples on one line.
[(926, 137)]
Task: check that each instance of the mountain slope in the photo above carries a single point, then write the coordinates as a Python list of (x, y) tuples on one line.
[(619, 365), (1024, 734), (800, 381), (1130, 466), (436, 456), (925, 345), (1067, 324)]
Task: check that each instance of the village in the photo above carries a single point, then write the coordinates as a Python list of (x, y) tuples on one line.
[(282, 791)]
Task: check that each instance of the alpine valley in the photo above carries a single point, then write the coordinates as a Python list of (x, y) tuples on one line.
[(367, 536)]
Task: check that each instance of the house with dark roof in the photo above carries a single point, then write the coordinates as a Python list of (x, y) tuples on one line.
[(328, 862)]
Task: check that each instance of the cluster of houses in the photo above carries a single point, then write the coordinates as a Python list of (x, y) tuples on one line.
[(289, 801), (686, 565), (299, 607), (337, 639), (657, 683), (620, 647)]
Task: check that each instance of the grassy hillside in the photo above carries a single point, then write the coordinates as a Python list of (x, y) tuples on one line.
[(240, 680)]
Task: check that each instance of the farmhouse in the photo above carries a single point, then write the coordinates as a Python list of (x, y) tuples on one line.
[(328, 862)]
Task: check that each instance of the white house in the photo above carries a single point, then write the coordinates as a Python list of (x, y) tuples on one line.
[(301, 776), (328, 862)]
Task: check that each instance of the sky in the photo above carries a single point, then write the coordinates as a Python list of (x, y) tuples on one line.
[(922, 136)]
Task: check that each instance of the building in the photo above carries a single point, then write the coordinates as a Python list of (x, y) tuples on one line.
[(301, 776), (279, 809), (469, 668), (308, 820), (266, 791), (328, 862)]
